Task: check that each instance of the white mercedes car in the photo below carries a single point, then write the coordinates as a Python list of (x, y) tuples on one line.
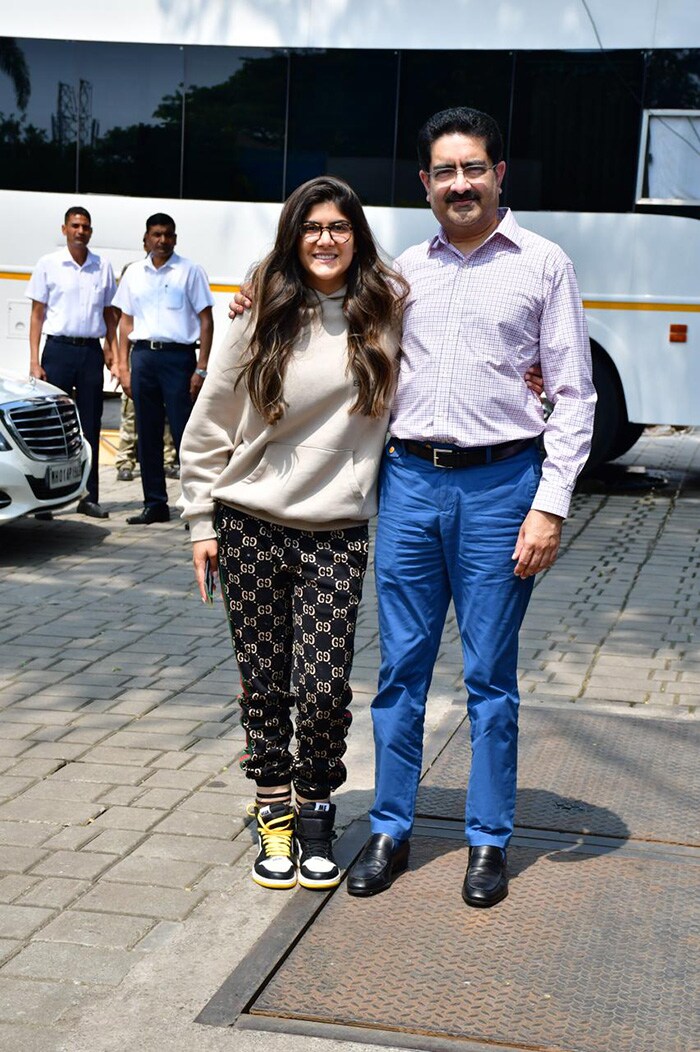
[(44, 458)]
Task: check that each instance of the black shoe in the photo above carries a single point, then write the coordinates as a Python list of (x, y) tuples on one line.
[(313, 847), (156, 513), (381, 861), (274, 867), (486, 882), (125, 475), (91, 508)]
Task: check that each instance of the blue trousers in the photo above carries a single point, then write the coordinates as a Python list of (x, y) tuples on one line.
[(160, 384), (442, 535), (79, 371)]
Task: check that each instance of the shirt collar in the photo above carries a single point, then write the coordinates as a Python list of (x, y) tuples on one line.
[(90, 260), (507, 228), (148, 263)]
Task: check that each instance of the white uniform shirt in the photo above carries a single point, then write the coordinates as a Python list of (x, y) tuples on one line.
[(75, 296), (165, 302)]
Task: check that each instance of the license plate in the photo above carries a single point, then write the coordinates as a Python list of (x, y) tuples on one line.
[(60, 475)]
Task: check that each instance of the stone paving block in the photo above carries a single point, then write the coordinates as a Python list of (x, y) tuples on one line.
[(54, 750), (139, 900), (54, 892), (71, 962), (121, 795), (18, 922), (169, 779), (196, 824), (80, 865), (161, 934), (187, 848), (95, 929), (128, 818), (14, 747), (10, 787), (156, 725), (213, 803), (19, 859), (161, 798), (133, 708), (7, 948), (63, 812), (156, 871), (48, 734), (18, 730), (24, 835), (14, 885), (72, 838), (106, 773), (115, 841), (108, 754), (35, 768), (56, 788)]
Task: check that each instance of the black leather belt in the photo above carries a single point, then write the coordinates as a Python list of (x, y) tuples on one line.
[(78, 341), (442, 457), (165, 345)]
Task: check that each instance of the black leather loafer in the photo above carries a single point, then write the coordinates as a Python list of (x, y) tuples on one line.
[(381, 861), (486, 882), (91, 508), (156, 513)]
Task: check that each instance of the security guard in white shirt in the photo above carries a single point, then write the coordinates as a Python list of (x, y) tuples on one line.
[(166, 305), (71, 292)]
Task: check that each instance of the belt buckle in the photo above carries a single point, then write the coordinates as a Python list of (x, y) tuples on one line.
[(156, 345), (436, 452)]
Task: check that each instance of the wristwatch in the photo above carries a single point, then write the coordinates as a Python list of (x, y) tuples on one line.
[(202, 373)]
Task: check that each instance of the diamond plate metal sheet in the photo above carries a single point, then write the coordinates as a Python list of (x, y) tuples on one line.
[(588, 954), (590, 774)]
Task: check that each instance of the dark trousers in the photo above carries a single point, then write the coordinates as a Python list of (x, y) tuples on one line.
[(292, 599), (160, 385), (79, 371)]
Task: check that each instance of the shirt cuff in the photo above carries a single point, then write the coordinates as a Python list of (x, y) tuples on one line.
[(551, 498), (202, 528)]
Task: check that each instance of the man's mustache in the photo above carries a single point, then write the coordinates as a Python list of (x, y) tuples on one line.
[(468, 195)]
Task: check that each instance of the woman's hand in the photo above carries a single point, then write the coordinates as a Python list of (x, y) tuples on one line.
[(242, 301), (533, 379), (205, 554)]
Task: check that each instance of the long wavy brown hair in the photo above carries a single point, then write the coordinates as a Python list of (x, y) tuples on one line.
[(373, 303)]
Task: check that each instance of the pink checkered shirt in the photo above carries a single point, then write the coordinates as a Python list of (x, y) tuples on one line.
[(472, 326)]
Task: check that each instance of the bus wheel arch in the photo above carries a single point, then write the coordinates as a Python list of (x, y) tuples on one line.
[(613, 434)]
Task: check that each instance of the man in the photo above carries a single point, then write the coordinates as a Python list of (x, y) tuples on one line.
[(71, 292), (166, 307), (467, 511)]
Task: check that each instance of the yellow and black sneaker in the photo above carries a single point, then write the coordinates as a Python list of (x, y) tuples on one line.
[(274, 867), (314, 847)]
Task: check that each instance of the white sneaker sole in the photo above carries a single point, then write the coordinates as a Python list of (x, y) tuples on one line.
[(276, 883), (320, 884)]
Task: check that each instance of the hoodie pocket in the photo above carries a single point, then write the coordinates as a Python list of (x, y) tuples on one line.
[(311, 483)]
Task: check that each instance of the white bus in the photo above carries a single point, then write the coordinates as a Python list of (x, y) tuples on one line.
[(215, 111)]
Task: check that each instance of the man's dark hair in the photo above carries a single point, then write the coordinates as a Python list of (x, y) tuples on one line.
[(464, 121), (76, 210), (160, 219)]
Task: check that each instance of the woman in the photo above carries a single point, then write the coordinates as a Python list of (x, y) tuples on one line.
[(279, 467)]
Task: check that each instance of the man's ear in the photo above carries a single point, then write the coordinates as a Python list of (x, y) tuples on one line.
[(425, 179)]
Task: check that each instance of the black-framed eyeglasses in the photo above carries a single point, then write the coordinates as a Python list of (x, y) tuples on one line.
[(340, 231), (447, 173)]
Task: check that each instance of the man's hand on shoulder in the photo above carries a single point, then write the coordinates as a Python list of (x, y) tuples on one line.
[(241, 301), (538, 543)]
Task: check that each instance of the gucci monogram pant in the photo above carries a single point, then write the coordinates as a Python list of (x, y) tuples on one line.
[(292, 599)]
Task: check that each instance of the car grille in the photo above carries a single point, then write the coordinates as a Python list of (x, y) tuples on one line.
[(44, 428)]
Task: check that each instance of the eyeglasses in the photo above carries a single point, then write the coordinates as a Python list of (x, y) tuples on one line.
[(447, 173), (340, 231)]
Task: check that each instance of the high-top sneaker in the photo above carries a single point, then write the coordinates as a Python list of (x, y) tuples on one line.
[(313, 846), (274, 867)]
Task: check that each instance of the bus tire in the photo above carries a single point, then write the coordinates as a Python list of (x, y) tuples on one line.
[(610, 413), (625, 438)]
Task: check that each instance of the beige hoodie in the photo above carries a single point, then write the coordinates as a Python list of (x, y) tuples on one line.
[(316, 468)]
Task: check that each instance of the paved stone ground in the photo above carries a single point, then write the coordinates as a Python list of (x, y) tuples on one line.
[(125, 897)]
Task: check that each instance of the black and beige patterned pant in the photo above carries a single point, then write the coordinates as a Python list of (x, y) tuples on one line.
[(292, 599)]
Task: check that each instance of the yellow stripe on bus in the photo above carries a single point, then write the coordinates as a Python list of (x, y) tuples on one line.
[(632, 305), (588, 304)]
